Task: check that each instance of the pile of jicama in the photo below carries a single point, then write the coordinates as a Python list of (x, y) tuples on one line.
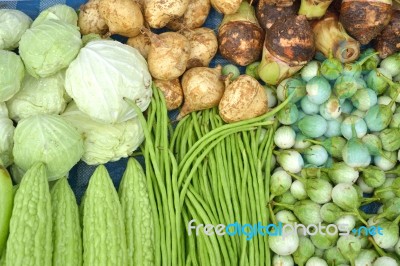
[(312, 150)]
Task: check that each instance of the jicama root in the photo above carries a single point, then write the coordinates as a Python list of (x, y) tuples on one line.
[(172, 91), (194, 17), (90, 21), (141, 42), (243, 99), (226, 7), (202, 89)]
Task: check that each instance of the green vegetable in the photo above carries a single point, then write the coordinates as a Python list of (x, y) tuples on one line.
[(330, 109), (12, 73), (331, 68), (57, 12), (282, 260), (346, 86), (340, 172), (330, 212), (372, 62), (373, 176), (376, 82), (67, 239), (284, 137), (346, 197), (390, 138), (334, 146), (138, 219), (325, 239), (390, 235), (104, 239), (318, 90), (104, 142), (310, 70), (280, 182), (350, 247), (378, 117), (334, 257), (313, 126), (355, 153), (38, 96), (290, 160), (288, 115), (307, 211), (360, 127), (122, 67), (32, 213), (291, 86), (6, 141), (316, 155), (285, 244), (304, 252), (391, 64), (13, 24), (49, 139), (49, 47), (6, 201), (308, 107), (364, 99), (252, 70), (231, 70)]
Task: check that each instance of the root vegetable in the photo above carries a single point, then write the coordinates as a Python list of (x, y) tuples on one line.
[(194, 17), (267, 14), (123, 17), (202, 89), (332, 39), (388, 42), (365, 19), (243, 99), (288, 46), (168, 55), (158, 13), (141, 42), (90, 21), (226, 7), (279, 3), (203, 46), (240, 36), (172, 91)]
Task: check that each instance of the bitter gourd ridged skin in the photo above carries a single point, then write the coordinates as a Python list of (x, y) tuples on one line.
[(135, 203), (6, 203), (104, 241), (3, 257), (67, 239), (30, 239)]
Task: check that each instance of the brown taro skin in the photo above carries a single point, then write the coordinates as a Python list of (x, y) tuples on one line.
[(364, 19), (388, 42), (268, 13), (291, 40), (241, 42)]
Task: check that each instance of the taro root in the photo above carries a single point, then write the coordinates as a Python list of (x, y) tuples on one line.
[(243, 99), (288, 46), (202, 89), (240, 36), (388, 42), (194, 17), (314, 9), (226, 7), (203, 46), (89, 20), (332, 39), (172, 91), (278, 3), (268, 13), (365, 19)]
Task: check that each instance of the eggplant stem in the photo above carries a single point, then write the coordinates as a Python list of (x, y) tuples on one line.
[(273, 218), (377, 248)]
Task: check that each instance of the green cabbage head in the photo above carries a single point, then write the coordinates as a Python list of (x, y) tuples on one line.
[(105, 73), (13, 23), (48, 139), (49, 47), (6, 139), (58, 12), (39, 96), (105, 142), (12, 72)]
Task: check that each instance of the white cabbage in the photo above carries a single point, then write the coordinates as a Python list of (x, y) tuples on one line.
[(38, 96), (6, 139), (49, 47), (58, 12), (104, 142), (12, 72), (103, 74), (13, 23), (48, 139)]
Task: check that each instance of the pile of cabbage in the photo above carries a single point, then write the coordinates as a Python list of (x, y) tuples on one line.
[(62, 100), (337, 149)]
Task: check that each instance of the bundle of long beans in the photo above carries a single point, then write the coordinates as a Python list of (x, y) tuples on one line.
[(212, 172)]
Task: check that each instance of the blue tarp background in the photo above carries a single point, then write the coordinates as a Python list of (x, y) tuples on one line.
[(80, 174)]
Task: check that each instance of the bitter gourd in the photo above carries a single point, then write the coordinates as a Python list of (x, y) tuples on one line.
[(67, 240), (138, 219), (104, 241), (6, 203), (30, 239)]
